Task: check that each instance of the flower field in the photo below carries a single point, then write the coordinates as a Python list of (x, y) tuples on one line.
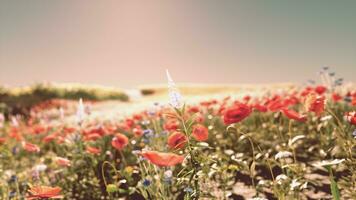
[(281, 144)]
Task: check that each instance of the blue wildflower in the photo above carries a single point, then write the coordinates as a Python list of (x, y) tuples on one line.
[(13, 178), (148, 133), (354, 134), (151, 113), (146, 182), (145, 140), (15, 150), (12, 194), (188, 190)]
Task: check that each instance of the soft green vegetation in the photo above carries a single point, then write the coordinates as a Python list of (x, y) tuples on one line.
[(20, 100)]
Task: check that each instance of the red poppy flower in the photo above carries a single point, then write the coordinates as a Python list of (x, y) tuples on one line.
[(353, 102), (336, 97), (137, 117), (260, 107), (171, 125), (315, 104), (63, 162), (69, 129), (177, 140), (38, 129), (49, 138), (30, 147), (14, 133), (205, 103), (306, 91), (291, 114), (222, 109), (276, 105), (163, 159), (193, 109), (99, 130), (290, 101), (92, 137), (119, 141), (44, 192), (351, 117), (247, 98), (320, 89), (130, 122), (123, 126), (200, 132), (236, 113), (138, 132), (93, 150)]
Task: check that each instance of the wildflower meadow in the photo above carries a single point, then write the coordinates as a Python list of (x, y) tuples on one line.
[(293, 143)]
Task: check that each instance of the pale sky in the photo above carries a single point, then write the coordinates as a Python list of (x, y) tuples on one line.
[(128, 43)]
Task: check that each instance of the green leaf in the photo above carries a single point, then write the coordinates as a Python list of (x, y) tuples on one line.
[(333, 185)]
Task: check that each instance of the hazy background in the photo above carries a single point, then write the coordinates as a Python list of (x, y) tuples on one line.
[(128, 43)]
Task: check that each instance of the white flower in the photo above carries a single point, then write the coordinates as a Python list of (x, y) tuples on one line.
[(40, 167), (326, 118), (325, 163), (168, 174), (350, 115), (173, 92), (294, 184), (229, 152), (280, 178), (283, 154), (80, 111)]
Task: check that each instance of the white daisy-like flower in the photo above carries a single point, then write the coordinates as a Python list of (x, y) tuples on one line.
[(283, 154), (325, 163), (175, 97)]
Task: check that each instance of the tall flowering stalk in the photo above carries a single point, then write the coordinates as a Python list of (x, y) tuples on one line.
[(175, 97), (80, 115), (193, 191)]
